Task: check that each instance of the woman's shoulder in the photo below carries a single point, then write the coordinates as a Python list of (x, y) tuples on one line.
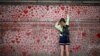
[(67, 25)]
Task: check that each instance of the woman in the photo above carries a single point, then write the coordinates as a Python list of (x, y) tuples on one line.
[(63, 27)]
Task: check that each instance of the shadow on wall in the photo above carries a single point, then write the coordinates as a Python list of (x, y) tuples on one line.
[(6, 27)]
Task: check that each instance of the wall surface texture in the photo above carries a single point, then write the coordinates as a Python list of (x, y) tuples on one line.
[(28, 30)]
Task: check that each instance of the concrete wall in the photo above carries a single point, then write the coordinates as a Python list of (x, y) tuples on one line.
[(28, 30)]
